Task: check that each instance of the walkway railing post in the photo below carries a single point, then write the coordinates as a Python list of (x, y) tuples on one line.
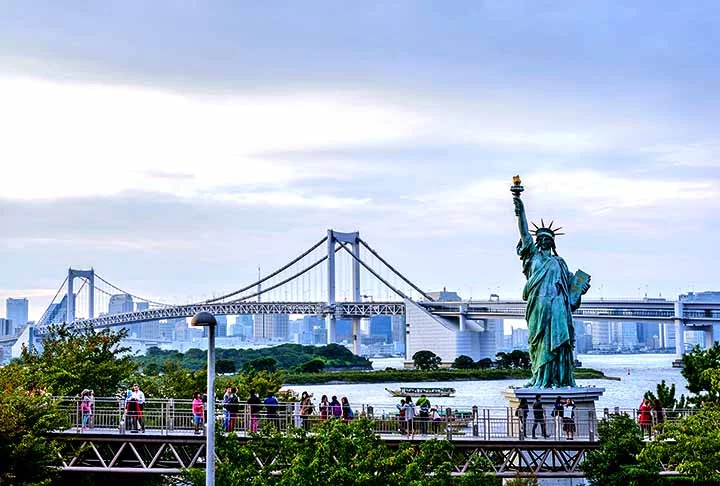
[(448, 427), (475, 421)]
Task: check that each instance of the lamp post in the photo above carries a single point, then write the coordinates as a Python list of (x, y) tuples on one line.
[(205, 319)]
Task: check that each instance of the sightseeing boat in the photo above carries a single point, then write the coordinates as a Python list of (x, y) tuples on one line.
[(417, 391)]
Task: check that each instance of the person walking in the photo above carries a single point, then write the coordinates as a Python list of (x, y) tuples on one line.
[(539, 417), (521, 413), (401, 417), (423, 405), (254, 411), (198, 411)]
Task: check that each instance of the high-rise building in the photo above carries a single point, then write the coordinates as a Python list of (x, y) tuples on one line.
[(120, 304), (243, 327), (6, 327), (381, 326), (17, 312), (220, 330), (270, 327)]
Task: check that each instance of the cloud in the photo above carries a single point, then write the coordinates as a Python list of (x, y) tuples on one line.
[(700, 154)]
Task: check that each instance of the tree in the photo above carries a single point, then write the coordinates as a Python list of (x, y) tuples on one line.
[(666, 396), (463, 362), (225, 366), (260, 364), (315, 365), (484, 363), (426, 360), (615, 462), (696, 366), (690, 445), (337, 453), (27, 414), (74, 358)]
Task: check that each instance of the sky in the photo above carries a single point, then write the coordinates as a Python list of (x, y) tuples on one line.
[(177, 146)]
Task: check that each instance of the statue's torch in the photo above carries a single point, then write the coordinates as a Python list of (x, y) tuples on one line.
[(516, 188)]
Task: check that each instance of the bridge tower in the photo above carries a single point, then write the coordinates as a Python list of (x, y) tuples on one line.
[(354, 240), (90, 276)]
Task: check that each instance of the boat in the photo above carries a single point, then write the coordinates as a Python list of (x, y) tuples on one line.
[(417, 391)]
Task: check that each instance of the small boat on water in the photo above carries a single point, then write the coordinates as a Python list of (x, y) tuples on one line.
[(417, 391)]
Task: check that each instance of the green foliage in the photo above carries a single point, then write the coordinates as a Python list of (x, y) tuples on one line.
[(260, 364), (76, 358), (262, 382), (27, 457), (286, 356), (337, 453), (463, 362), (315, 365), (173, 381), (615, 462), (484, 364), (224, 366), (514, 359), (697, 369), (426, 360), (666, 395), (690, 446)]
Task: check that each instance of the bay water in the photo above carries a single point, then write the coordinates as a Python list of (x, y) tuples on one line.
[(637, 372)]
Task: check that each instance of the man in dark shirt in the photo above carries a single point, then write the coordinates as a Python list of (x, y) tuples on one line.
[(271, 409), (539, 416)]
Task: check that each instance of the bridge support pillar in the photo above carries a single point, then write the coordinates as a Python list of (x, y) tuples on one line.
[(679, 331), (89, 275)]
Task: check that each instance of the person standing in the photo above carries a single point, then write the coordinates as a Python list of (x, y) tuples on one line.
[(409, 416), (198, 411), (234, 408), (423, 405), (85, 408), (539, 417), (521, 413), (254, 411), (226, 409), (335, 408), (645, 417), (558, 412), (347, 413), (569, 419), (659, 412), (401, 417), (271, 409), (306, 409), (324, 407), (136, 401)]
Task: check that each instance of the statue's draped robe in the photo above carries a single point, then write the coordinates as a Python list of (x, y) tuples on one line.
[(551, 334)]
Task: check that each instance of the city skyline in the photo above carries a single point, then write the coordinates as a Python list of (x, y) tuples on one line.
[(176, 148)]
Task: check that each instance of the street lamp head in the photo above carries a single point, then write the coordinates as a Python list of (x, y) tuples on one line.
[(203, 319)]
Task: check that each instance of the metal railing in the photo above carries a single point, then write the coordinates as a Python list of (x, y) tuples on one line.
[(174, 416)]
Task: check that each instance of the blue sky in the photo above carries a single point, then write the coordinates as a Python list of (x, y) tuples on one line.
[(176, 146)]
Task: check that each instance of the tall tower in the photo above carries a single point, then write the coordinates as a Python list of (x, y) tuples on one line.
[(17, 312)]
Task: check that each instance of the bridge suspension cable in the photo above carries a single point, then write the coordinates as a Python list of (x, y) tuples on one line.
[(131, 295), (44, 316), (391, 268), (367, 267), (269, 276), (279, 284)]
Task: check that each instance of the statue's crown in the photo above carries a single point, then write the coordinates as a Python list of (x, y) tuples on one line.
[(546, 230)]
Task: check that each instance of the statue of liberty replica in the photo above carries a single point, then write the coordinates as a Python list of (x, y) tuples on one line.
[(552, 293)]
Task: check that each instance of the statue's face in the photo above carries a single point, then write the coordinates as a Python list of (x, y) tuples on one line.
[(544, 242)]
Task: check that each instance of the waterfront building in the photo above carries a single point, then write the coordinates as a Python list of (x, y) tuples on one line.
[(17, 312), (270, 327), (519, 338)]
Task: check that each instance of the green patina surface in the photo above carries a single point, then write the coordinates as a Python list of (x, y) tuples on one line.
[(552, 292)]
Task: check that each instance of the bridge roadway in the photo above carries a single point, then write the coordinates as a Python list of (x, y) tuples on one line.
[(687, 313)]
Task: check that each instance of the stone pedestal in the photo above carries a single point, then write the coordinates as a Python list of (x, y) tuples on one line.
[(585, 417)]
